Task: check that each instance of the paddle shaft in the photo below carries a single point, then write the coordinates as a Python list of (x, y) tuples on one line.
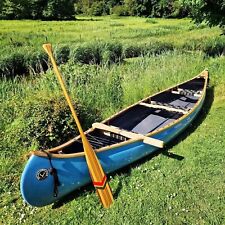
[(97, 174)]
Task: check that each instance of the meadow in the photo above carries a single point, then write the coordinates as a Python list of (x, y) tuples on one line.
[(109, 63)]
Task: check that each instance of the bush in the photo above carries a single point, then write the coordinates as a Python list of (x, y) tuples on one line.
[(36, 62), (46, 122), (112, 53), (12, 65), (211, 47), (88, 54), (215, 47), (120, 10), (62, 54), (99, 9), (157, 48), (97, 53), (154, 48), (133, 51), (151, 20), (17, 64)]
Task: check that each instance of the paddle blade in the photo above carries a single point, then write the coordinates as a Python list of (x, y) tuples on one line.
[(105, 195), (97, 174)]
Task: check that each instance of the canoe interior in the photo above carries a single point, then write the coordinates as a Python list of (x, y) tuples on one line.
[(142, 119)]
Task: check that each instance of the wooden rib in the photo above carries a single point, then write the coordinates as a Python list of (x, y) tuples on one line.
[(128, 134), (163, 107)]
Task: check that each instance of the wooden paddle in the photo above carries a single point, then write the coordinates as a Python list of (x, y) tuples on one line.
[(97, 174)]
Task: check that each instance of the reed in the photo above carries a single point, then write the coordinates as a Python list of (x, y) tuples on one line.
[(160, 189)]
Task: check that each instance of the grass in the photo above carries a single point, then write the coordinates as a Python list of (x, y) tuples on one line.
[(21, 40), (184, 184)]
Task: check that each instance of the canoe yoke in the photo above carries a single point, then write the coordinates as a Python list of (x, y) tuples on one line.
[(124, 133)]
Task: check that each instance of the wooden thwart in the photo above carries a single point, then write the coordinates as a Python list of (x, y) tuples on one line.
[(128, 134), (181, 91), (163, 107)]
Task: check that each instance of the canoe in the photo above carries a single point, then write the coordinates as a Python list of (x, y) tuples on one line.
[(120, 140)]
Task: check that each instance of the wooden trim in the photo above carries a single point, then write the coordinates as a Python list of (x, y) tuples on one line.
[(155, 106), (128, 134)]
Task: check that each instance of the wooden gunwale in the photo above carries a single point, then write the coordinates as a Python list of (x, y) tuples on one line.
[(203, 74)]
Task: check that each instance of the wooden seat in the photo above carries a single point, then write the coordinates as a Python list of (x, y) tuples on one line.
[(128, 134), (187, 92)]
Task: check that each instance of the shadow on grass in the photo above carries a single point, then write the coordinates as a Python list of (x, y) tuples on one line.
[(88, 19), (125, 172)]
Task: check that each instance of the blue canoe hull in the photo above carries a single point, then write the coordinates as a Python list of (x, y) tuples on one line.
[(73, 172)]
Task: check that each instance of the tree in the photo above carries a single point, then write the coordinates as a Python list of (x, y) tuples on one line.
[(139, 7), (15, 9), (36, 8), (210, 11), (59, 10)]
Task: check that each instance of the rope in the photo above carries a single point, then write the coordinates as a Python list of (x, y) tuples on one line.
[(53, 172)]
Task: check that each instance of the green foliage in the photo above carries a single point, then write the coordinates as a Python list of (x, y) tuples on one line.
[(62, 54), (131, 51), (12, 65), (20, 63), (185, 198), (98, 52), (45, 121), (36, 62), (211, 12), (38, 9), (112, 52), (151, 20), (120, 10), (14, 9), (99, 8), (154, 48), (88, 54), (157, 48), (115, 91), (59, 10), (215, 47)]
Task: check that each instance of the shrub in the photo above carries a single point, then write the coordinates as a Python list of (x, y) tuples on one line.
[(88, 54), (12, 65), (151, 20), (133, 51), (47, 122), (36, 62), (157, 48), (120, 10), (215, 47), (112, 53), (99, 9), (62, 54), (154, 48)]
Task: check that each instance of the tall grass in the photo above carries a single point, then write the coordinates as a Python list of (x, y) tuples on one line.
[(33, 115), (37, 103)]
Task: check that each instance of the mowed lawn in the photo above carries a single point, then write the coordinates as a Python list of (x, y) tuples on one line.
[(183, 184)]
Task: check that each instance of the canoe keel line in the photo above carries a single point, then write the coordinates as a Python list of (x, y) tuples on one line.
[(126, 137)]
